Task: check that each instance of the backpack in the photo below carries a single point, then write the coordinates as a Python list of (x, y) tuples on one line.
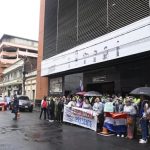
[(44, 104)]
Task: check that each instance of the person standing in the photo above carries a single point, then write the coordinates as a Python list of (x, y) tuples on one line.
[(99, 108), (144, 120), (60, 110), (86, 104), (52, 109), (7, 99), (43, 107), (130, 110), (72, 103), (56, 101), (15, 105), (79, 103)]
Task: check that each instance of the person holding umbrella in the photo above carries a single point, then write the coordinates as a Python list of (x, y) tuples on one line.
[(144, 120), (143, 108)]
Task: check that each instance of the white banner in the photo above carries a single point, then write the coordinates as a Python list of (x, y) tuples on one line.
[(82, 117)]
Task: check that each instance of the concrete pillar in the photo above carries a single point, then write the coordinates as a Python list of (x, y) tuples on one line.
[(42, 82)]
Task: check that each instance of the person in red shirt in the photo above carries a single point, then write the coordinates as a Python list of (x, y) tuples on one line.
[(43, 107)]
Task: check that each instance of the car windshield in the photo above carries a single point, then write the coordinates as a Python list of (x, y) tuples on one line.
[(23, 98)]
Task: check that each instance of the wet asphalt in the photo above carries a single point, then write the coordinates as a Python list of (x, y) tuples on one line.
[(31, 133)]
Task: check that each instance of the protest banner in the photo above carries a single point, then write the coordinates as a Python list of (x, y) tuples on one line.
[(82, 117)]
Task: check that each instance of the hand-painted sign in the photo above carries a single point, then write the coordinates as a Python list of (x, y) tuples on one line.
[(82, 117)]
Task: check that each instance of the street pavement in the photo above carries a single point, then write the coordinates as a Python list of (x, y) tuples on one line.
[(31, 133)]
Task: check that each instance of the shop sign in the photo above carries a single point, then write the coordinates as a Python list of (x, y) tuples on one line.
[(99, 79)]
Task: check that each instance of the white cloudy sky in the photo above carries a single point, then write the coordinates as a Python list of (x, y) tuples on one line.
[(20, 18)]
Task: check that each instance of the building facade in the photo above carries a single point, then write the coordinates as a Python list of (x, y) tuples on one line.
[(12, 78), (12, 49), (103, 44), (30, 84), (21, 73)]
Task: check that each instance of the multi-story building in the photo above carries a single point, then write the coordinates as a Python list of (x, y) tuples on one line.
[(20, 76), (12, 77), (103, 43), (12, 49)]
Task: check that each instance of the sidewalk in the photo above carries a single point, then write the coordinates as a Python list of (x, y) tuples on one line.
[(36, 108)]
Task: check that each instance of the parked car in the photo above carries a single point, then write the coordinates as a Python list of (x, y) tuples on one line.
[(3, 103), (24, 103)]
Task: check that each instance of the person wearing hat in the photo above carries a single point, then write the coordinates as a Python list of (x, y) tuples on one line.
[(131, 112)]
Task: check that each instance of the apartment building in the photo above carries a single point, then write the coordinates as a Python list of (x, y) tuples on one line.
[(15, 53)]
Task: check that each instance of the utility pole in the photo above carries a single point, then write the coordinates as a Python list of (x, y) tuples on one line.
[(23, 76)]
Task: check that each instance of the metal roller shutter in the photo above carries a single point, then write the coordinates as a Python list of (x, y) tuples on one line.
[(79, 21)]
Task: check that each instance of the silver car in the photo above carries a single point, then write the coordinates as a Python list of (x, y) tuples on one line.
[(25, 103)]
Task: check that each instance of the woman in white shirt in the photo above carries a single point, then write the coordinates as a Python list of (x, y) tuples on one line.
[(86, 104), (72, 103), (99, 108), (131, 111)]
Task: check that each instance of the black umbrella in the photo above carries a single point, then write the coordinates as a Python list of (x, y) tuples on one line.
[(141, 91)]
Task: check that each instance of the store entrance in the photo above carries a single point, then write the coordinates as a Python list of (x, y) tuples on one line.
[(103, 88)]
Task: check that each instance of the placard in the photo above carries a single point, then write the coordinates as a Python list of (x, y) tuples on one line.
[(82, 117)]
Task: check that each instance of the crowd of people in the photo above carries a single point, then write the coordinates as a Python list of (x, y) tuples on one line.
[(136, 108)]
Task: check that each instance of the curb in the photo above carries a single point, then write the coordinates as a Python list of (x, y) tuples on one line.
[(37, 109)]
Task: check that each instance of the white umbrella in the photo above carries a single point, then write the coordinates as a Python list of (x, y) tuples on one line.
[(92, 93)]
